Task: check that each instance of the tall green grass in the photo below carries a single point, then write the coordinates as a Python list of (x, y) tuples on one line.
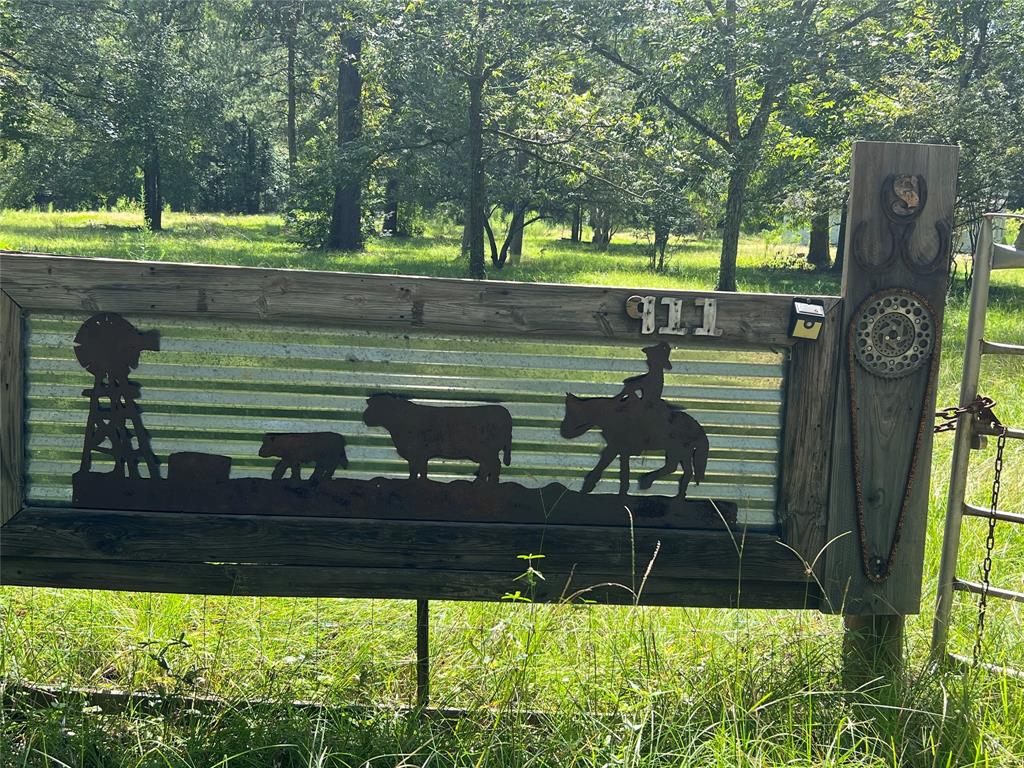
[(616, 686)]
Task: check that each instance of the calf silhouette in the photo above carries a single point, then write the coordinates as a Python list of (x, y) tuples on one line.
[(423, 432), (325, 450)]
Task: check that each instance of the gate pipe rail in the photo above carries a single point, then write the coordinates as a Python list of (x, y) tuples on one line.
[(986, 258)]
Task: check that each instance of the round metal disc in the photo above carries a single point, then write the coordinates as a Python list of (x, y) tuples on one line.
[(894, 335)]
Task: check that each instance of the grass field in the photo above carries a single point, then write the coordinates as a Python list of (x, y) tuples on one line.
[(618, 686)]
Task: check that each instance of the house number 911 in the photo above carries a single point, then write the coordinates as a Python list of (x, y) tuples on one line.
[(644, 308)]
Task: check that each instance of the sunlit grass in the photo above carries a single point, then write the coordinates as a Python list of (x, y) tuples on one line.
[(622, 686)]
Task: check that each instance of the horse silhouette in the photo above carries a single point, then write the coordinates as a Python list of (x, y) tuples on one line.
[(631, 427)]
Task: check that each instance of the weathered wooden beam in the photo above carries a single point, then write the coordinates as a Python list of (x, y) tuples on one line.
[(559, 585), (386, 302), (807, 441), (316, 541), (898, 250), (12, 408)]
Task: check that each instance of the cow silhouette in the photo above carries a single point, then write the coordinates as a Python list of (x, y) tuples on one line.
[(422, 432), (325, 450)]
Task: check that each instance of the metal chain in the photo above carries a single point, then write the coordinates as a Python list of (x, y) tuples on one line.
[(980, 406), (990, 544)]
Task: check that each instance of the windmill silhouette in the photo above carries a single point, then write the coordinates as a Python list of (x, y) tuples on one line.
[(108, 347)]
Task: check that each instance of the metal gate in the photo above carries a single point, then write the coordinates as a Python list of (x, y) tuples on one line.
[(973, 422)]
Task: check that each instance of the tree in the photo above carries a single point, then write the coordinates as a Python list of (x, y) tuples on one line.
[(722, 70), (125, 80), (346, 214)]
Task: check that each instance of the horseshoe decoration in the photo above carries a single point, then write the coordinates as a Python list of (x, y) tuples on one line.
[(903, 199)]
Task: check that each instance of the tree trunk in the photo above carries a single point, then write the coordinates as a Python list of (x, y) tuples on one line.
[(577, 223), (837, 266), (496, 259), (817, 245), (152, 196), (475, 215), (346, 232), (661, 235), (601, 221), (252, 173), (514, 240), (293, 152), (390, 225), (731, 227)]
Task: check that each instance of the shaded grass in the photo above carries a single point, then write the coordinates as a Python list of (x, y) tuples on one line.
[(622, 686), (261, 241)]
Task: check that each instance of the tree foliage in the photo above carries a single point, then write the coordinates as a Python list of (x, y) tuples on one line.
[(358, 118)]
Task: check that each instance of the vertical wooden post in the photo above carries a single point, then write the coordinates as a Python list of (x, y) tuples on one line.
[(897, 250), (872, 650), (422, 653), (12, 408)]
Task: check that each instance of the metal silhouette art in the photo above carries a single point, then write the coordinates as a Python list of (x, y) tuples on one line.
[(109, 347), (903, 200), (422, 432), (638, 421), (325, 450), (635, 421), (650, 385)]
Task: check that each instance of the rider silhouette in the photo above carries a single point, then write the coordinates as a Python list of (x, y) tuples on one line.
[(649, 386)]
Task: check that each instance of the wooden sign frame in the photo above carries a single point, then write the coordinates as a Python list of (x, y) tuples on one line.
[(791, 567)]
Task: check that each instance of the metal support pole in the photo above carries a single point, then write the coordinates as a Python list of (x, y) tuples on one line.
[(962, 439), (422, 652)]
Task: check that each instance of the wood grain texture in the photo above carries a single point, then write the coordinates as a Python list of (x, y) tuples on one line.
[(384, 302), (396, 583), (12, 408), (892, 407), (807, 440), (189, 538)]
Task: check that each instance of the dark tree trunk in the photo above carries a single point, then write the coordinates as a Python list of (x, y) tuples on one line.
[(577, 223), (817, 245), (252, 172), (152, 196), (661, 235), (837, 266), (390, 226), (293, 152), (496, 259), (346, 232), (475, 215), (731, 227)]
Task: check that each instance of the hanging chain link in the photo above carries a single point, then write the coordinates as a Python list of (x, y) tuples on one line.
[(990, 543), (981, 407)]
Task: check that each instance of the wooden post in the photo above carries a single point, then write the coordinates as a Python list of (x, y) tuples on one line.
[(894, 282), (12, 408), (872, 652), (422, 653)]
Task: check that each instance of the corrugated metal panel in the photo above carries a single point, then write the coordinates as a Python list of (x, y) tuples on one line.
[(218, 387)]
